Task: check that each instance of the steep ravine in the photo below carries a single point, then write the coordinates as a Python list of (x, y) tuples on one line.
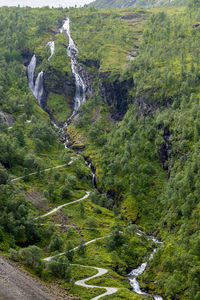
[(119, 90)]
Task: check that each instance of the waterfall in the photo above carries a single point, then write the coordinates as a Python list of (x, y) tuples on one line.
[(31, 71), (51, 44), (72, 52), (39, 88), (92, 170)]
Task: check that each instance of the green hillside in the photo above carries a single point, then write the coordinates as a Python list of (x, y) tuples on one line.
[(137, 3)]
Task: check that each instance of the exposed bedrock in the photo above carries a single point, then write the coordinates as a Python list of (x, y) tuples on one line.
[(115, 93)]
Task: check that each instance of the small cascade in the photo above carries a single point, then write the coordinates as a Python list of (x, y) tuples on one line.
[(72, 52), (133, 275), (92, 170), (63, 134), (51, 44), (31, 71)]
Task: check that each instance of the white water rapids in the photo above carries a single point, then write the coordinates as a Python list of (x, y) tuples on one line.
[(133, 275)]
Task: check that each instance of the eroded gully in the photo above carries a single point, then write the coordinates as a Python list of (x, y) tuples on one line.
[(37, 89)]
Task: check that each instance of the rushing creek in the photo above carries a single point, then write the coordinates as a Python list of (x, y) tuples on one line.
[(132, 276), (37, 88)]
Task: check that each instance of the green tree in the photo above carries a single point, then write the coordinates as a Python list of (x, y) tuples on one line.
[(82, 210), (69, 251), (56, 243), (3, 175), (82, 248)]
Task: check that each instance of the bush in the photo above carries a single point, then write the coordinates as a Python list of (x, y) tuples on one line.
[(56, 243), (3, 175), (30, 256), (97, 210), (69, 251), (82, 248), (60, 268), (91, 223)]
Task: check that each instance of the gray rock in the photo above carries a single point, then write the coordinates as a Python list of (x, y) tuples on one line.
[(4, 117)]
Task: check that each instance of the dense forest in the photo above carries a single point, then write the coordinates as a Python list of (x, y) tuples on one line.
[(140, 129)]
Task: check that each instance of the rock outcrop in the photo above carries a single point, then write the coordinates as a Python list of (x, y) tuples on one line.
[(6, 118), (115, 93)]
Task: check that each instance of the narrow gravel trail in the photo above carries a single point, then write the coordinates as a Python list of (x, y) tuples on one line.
[(45, 170), (63, 205), (62, 253), (100, 272)]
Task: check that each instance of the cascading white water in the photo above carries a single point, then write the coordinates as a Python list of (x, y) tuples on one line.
[(39, 88), (31, 71), (92, 172), (132, 276), (51, 44), (72, 52), (36, 88)]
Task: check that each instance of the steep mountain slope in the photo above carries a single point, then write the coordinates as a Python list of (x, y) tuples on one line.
[(140, 129)]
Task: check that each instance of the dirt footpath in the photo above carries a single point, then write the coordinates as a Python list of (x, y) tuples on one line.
[(17, 284)]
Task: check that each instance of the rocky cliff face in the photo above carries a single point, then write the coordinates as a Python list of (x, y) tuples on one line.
[(26, 57), (88, 80), (115, 93)]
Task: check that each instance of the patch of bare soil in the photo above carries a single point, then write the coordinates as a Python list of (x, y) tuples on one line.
[(37, 199), (60, 218)]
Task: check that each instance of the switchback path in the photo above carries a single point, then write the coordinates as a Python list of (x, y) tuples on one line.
[(45, 170), (62, 253), (100, 272), (63, 205)]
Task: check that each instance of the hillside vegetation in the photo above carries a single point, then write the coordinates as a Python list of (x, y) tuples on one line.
[(137, 3)]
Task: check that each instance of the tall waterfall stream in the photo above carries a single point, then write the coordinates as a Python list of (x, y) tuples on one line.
[(37, 88)]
